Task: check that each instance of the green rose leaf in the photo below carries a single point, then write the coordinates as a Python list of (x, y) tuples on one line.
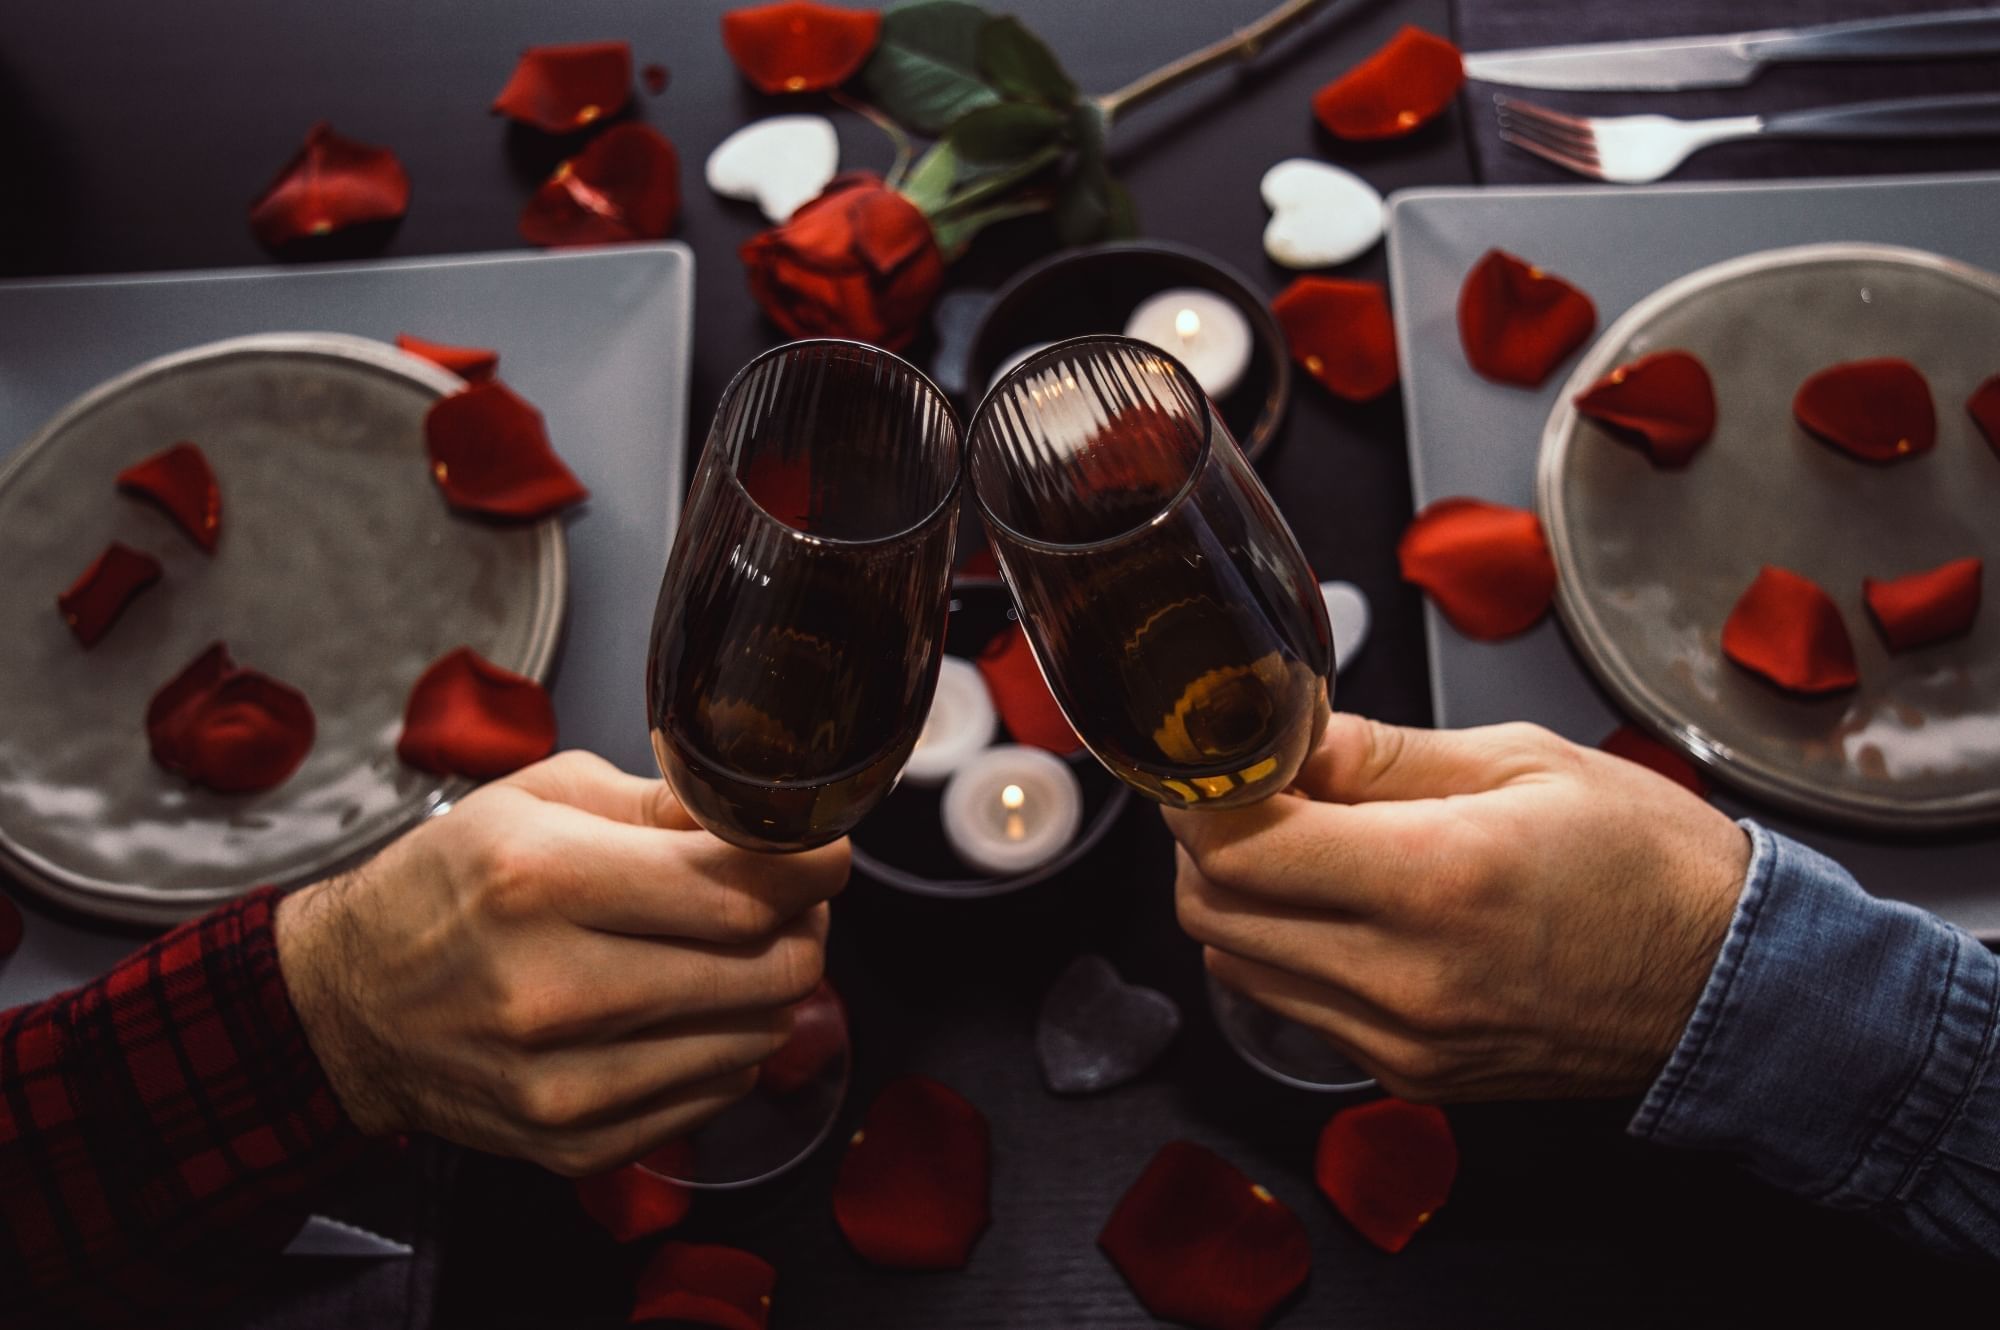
[(925, 70), (1094, 206), (1005, 131), (1018, 63), (928, 185)]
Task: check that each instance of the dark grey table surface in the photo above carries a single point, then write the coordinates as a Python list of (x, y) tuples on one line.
[(136, 134)]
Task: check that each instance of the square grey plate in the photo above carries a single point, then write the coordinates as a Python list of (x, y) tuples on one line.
[(1469, 436)]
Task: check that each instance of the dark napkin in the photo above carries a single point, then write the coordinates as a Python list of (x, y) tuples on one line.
[(1491, 25)]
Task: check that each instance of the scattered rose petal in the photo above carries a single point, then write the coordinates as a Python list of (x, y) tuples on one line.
[(468, 717), (1347, 612), (11, 927), (1984, 404), (626, 185), (1340, 331), (912, 1190), (656, 78), (1878, 410), (490, 454), (180, 482), (563, 88), (1516, 322), (799, 47), (1400, 87), (96, 599), (779, 164), (1097, 1032), (1387, 1166), (228, 729), (859, 261), (1664, 402), (705, 1285), (1635, 745), (1922, 608), (1788, 630), (474, 364), (1201, 1243), (1485, 566), (819, 1034), (1027, 708), (632, 1203), (1320, 214), (331, 183)]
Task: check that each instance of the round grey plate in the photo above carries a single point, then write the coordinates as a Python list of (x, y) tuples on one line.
[(1650, 562), (340, 571)]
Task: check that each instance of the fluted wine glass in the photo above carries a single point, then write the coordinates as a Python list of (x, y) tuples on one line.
[(795, 649), (1169, 606)]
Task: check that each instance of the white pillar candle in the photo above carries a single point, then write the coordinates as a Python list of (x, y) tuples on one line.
[(1200, 329), (962, 722), (1011, 809), (1012, 362)]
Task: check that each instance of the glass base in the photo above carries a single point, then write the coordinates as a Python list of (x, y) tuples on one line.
[(1282, 1049)]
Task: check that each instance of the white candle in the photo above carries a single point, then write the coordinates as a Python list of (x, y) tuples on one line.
[(962, 721), (1012, 808), (1200, 329), (1008, 365)]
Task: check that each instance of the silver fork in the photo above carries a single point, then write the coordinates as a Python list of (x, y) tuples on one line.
[(1635, 149)]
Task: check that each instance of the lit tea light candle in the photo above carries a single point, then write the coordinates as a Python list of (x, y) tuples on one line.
[(1011, 809), (1200, 329), (961, 723), (1012, 362)]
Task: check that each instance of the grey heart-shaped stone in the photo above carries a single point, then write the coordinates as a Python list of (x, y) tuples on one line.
[(1097, 1031)]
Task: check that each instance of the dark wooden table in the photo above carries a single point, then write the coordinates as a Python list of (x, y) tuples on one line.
[(135, 135)]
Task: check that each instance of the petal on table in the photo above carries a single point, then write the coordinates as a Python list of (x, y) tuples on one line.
[(630, 1203), (1787, 629), (1635, 745), (1922, 608), (474, 364), (912, 1193), (1876, 410), (1664, 402), (1388, 1167), (490, 454), (96, 599), (1485, 566), (705, 1285), (1340, 331), (799, 47), (1027, 707), (626, 185), (228, 729), (468, 717), (179, 480), (563, 88), (1394, 91), (331, 183), (1517, 322)]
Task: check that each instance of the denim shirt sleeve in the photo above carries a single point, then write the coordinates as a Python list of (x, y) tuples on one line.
[(1844, 1049)]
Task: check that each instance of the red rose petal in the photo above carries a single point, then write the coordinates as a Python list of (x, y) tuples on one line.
[(625, 186), (564, 88), (1664, 402), (859, 261), (1485, 566), (1026, 705), (490, 454), (11, 927), (95, 600), (1516, 322), (1788, 630), (180, 482), (1984, 404), (913, 1187), (231, 730), (474, 364), (1400, 87), (1341, 332), (1635, 745), (468, 717), (1878, 410), (819, 1032), (656, 78), (799, 47), (1922, 608), (332, 182), (631, 1203), (705, 1285), (1387, 1166), (1199, 1242), (982, 562)]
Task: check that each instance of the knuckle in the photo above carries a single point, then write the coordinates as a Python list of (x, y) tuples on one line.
[(525, 1014), (1381, 749), (797, 966), (744, 916), (550, 1102), (514, 878)]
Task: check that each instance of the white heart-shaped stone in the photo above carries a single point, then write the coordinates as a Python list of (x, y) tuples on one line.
[(778, 164), (1347, 607), (1320, 214)]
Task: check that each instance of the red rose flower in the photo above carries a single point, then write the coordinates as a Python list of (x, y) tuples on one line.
[(859, 261)]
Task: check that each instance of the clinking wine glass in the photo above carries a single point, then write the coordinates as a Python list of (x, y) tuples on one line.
[(795, 649), (1169, 606)]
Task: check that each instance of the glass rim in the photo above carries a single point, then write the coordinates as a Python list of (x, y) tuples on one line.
[(944, 504), (1166, 509)]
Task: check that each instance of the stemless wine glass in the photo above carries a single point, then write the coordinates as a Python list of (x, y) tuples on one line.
[(796, 646), (1169, 606)]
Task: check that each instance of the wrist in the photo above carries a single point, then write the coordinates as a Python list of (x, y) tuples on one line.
[(315, 955)]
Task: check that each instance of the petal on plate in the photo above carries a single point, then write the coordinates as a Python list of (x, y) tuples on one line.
[(474, 364), (95, 600), (229, 729), (1485, 566), (468, 717), (563, 88), (490, 454), (1635, 745), (1984, 405), (331, 183), (912, 1193), (1341, 333), (1877, 410), (631, 1203), (1664, 402), (180, 482), (626, 185), (1394, 91), (1516, 322), (1199, 1242), (705, 1285), (1921, 608), (1387, 1166), (799, 47), (819, 1033), (1788, 630), (1027, 707)]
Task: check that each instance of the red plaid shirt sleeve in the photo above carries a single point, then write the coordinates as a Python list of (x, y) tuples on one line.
[(161, 1127)]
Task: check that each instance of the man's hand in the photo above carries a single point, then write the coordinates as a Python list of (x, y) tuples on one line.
[(564, 968), (1481, 914)]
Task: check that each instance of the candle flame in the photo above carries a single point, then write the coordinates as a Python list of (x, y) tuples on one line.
[(1187, 323), (1013, 797)]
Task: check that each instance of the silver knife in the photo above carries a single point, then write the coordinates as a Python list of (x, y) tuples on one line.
[(1733, 59)]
